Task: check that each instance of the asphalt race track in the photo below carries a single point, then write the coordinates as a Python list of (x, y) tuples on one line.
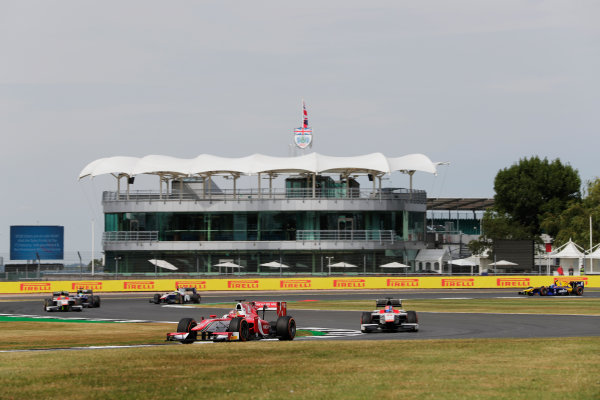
[(135, 306)]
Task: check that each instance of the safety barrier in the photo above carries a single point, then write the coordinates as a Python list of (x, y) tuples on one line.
[(309, 283)]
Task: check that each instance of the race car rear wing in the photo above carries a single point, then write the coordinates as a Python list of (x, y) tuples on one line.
[(388, 302), (279, 306)]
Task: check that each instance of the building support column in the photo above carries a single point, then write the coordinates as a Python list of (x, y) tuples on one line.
[(259, 189)]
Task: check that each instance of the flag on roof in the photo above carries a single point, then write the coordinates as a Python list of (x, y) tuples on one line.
[(303, 135)]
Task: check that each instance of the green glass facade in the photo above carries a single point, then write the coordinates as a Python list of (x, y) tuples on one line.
[(264, 226)]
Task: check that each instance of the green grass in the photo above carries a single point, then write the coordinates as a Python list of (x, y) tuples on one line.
[(431, 369), (525, 305)]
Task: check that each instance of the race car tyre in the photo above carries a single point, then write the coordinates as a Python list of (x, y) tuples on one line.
[(156, 298), (240, 325), (543, 291), (178, 299), (411, 317), (578, 291), (366, 318), (196, 298), (96, 301), (47, 303), (530, 293), (186, 325), (286, 328)]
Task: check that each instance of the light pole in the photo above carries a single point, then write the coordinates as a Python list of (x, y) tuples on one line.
[(117, 258), (329, 263)]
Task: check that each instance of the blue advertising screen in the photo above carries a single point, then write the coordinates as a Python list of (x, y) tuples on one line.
[(29, 241)]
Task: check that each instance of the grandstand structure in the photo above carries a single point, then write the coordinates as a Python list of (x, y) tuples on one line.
[(303, 213)]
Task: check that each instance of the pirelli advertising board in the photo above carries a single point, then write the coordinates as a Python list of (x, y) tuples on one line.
[(306, 283)]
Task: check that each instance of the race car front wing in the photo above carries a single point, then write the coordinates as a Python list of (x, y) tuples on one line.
[(405, 326), (204, 336)]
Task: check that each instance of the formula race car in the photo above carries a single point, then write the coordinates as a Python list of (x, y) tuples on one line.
[(61, 301), (242, 323), (86, 298), (559, 288), (180, 296), (389, 318)]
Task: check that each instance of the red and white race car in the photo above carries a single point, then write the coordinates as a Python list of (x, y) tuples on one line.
[(245, 322), (62, 301), (389, 318)]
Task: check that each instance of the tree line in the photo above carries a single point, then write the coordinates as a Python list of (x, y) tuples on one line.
[(535, 197)]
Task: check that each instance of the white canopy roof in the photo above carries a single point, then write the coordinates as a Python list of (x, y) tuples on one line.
[(394, 264), (439, 255), (204, 164), (342, 264), (595, 254), (503, 263), (567, 250), (465, 262), (275, 264), (164, 264)]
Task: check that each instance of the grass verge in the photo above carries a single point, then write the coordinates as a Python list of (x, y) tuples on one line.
[(431, 369)]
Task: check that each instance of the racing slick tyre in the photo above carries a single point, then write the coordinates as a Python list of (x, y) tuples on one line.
[(366, 318), (156, 299), (97, 301), (186, 325), (578, 291), (47, 303), (196, 298), (411, 317), (178, 299), (240, 325), (543, 291), (286, 328)]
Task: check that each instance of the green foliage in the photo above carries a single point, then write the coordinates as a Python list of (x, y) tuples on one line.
[(534, 188), (574, 222), (529, 196), (97, 263)]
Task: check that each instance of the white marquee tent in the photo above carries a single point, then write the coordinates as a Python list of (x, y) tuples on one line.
[(569, 255)]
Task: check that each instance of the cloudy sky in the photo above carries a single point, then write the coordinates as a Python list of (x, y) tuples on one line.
[(480, 84)]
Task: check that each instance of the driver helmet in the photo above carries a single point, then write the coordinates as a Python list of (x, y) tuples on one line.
[(388, 308), (239, 310)]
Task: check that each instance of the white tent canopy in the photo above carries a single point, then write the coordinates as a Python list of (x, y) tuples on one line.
[(465, 262), (596, 253), (567, 250), (503, 263), (228, 264), (343, 265), (206, 164), (164, 264), (275, 264), (394, 265)]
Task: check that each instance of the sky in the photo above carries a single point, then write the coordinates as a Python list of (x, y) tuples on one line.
[(479, 84)]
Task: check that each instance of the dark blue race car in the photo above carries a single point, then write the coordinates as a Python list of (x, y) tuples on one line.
[(559, 288)]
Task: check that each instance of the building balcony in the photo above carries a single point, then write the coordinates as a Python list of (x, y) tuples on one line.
[(253, 200), (414, 196), (304, 240)]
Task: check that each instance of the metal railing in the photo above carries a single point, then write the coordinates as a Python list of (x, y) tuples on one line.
[(127, 236), (301, 235), (414, 196), (345, 235)]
